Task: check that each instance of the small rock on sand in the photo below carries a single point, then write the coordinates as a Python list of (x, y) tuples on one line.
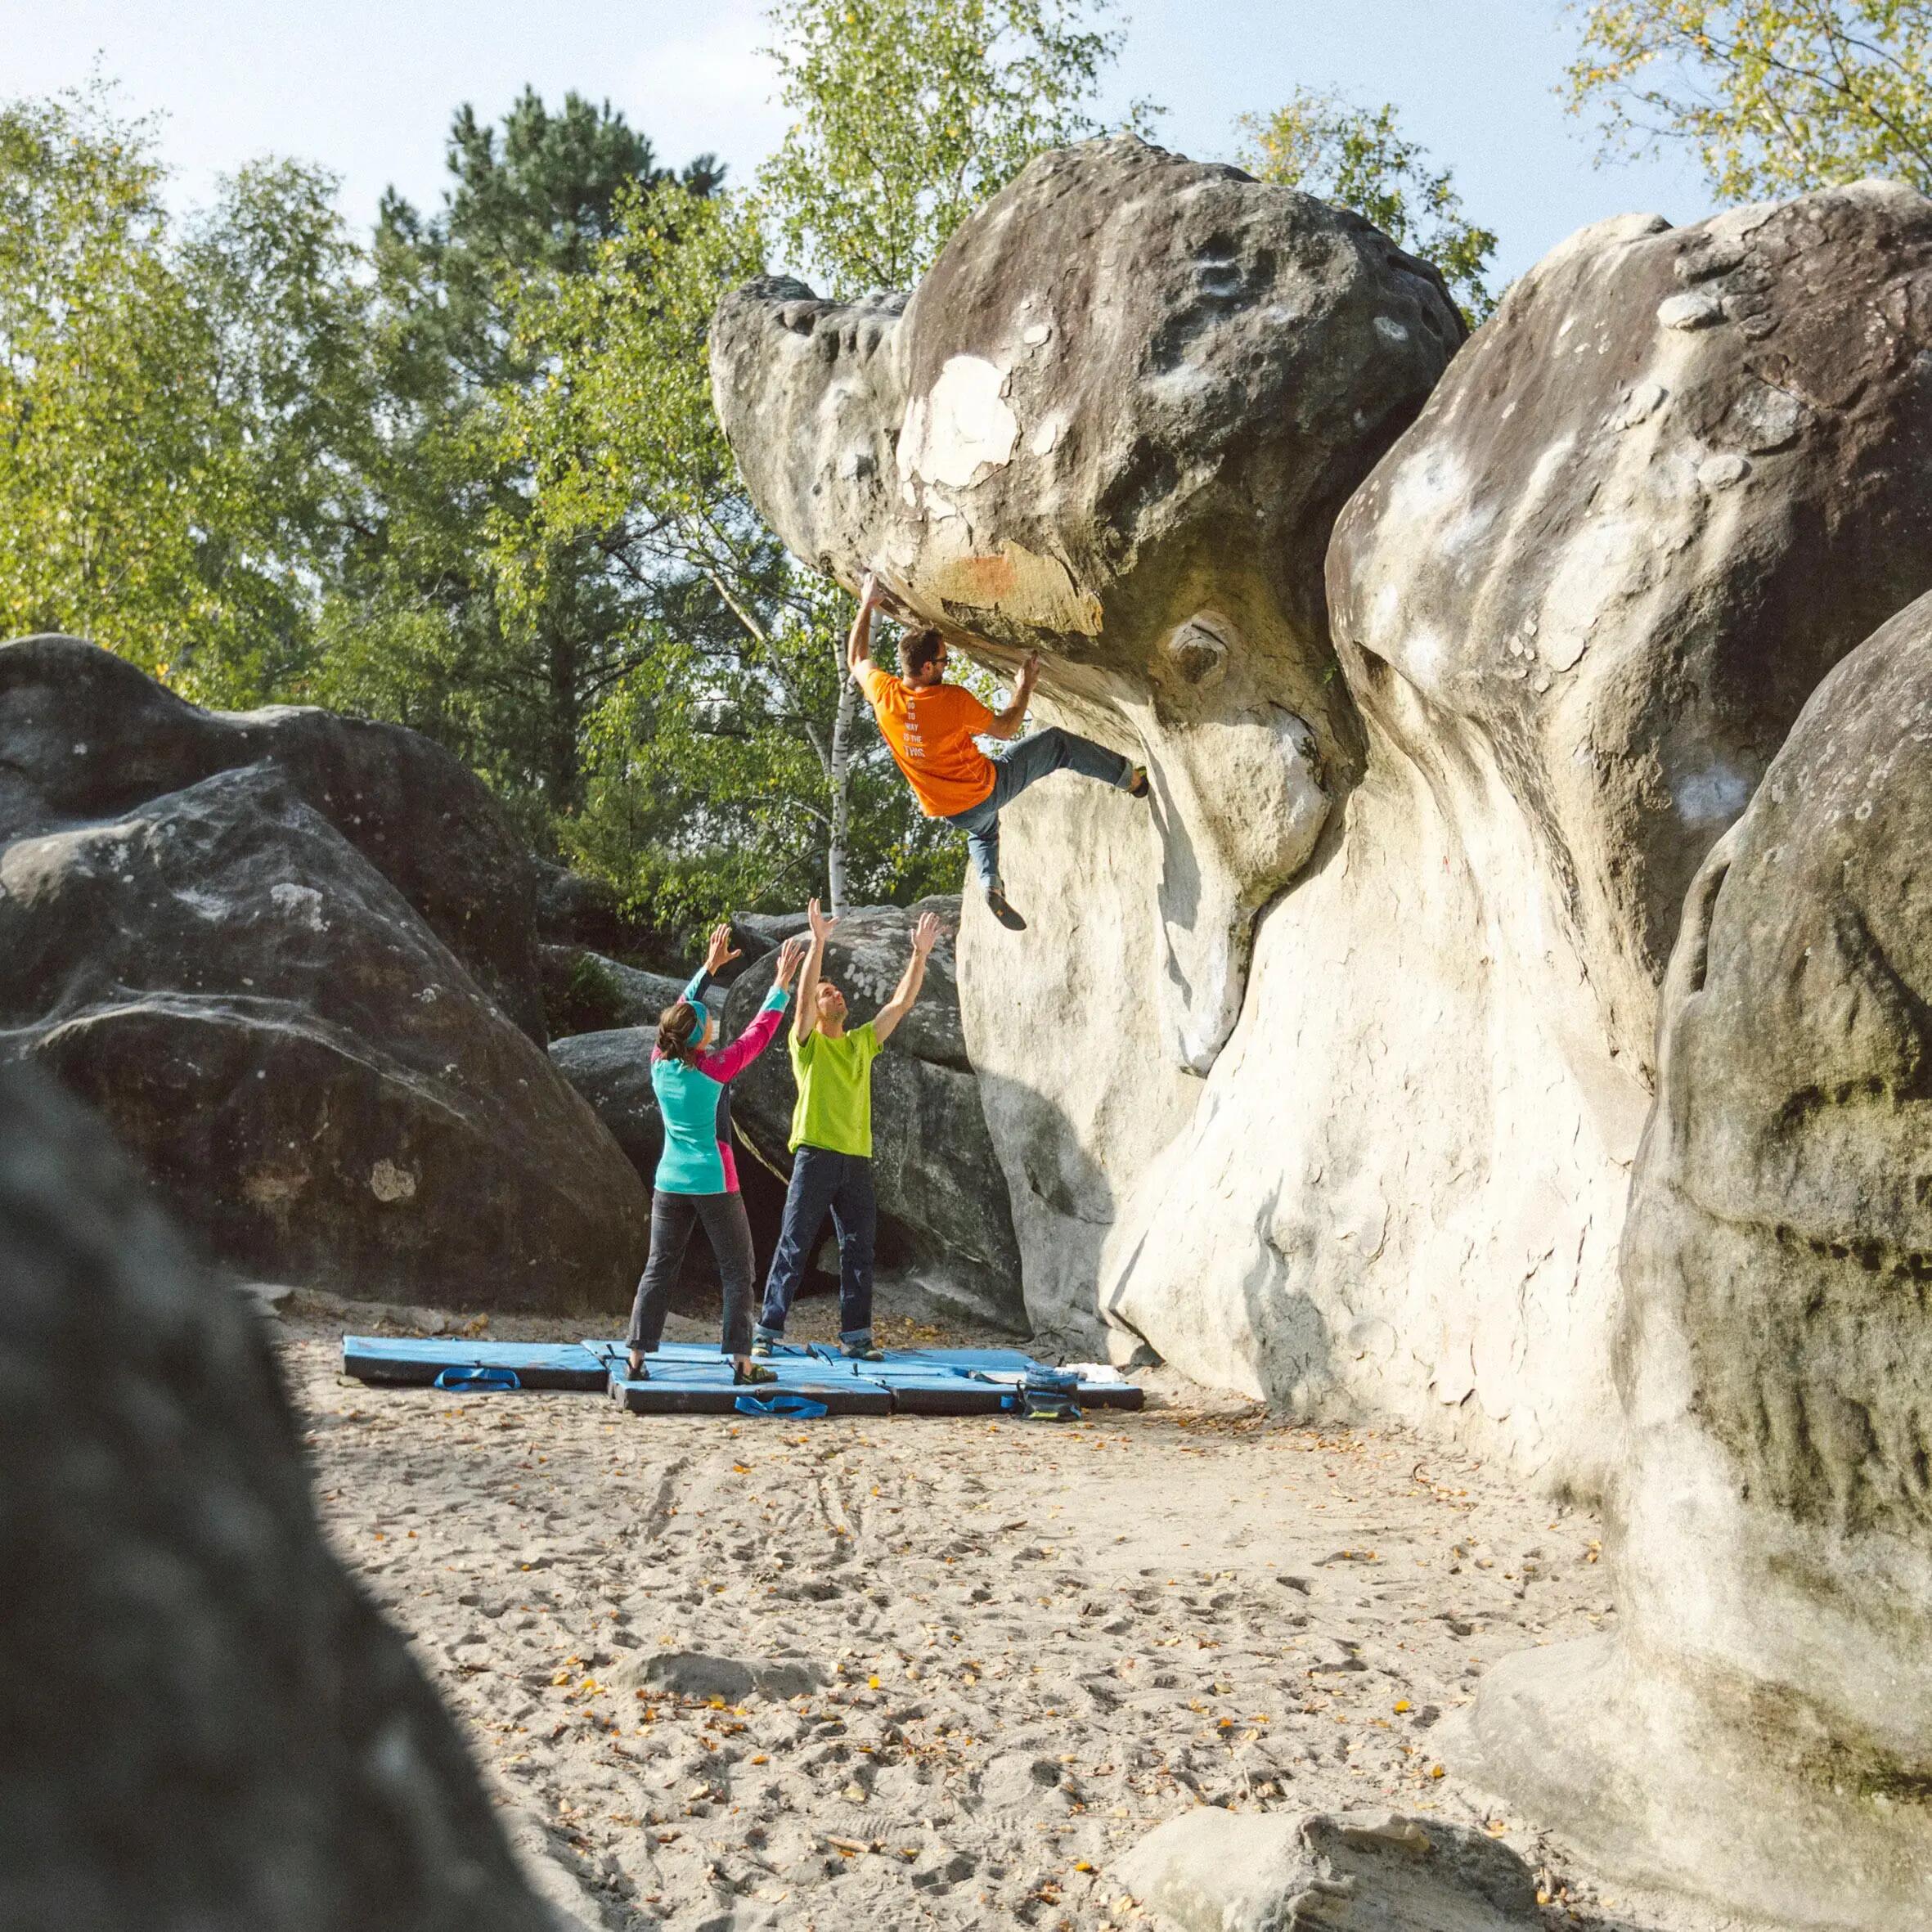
[(690, 1674), (1214, 1870)]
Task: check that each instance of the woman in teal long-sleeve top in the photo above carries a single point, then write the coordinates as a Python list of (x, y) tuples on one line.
[(696, 1177)]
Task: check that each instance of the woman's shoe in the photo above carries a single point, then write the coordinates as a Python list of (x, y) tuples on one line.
[(1137, 783), (635, 1369), (750, 1372)]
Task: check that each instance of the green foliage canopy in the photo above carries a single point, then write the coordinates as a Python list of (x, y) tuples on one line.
[(728, 769), (1773, 97), (910, 113), (174, 408), (1358, 158)]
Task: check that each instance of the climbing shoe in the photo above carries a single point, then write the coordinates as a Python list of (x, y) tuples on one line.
[(1137, 784), (635, 1371), (761, 1346), (1001, 908), (750, 1372), (861, 1351)]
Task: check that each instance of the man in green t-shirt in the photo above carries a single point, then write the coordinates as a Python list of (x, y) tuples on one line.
[(832, 1142)]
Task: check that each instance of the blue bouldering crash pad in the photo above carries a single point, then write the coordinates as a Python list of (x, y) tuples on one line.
[(413, 1363), (693, 1378), (684, 1387)]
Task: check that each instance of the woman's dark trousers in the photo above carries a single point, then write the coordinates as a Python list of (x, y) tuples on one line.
[(729, 1229)]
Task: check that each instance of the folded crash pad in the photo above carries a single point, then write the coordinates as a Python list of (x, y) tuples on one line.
[(684, 1387), (418, 1362)]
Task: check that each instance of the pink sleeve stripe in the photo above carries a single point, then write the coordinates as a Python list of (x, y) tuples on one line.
[(732, 1060)]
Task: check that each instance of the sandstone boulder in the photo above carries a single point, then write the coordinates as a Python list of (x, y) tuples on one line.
[(1116, 421), (204, 1724), (612, 1070), (1576, 606), (1579, 604), (1757, 1729), (1214, 1870), (945, 1231), (85, 734), (312, 1080)]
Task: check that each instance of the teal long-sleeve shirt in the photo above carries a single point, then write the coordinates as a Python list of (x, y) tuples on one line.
[(694, 1101)]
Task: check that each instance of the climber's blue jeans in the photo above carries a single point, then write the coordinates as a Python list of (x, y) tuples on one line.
[(1026, 763)]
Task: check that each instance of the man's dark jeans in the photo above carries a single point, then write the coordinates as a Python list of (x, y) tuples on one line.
[(841, 1184), (729, 1229), (1023, 764)]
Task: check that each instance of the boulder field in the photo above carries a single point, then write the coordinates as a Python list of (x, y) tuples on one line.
[(290, 958), (1456, 666)]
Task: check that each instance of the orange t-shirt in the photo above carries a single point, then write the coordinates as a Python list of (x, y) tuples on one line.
[(930, 732)]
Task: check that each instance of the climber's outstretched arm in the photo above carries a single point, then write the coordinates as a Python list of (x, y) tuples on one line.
[(807, 1015), (1006, 724), (858, 645), (924, 936)]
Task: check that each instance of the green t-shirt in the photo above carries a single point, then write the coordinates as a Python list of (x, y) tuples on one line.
[(834, 1077)]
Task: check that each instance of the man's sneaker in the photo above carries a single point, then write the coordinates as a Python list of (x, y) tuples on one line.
[(861, 1351), (1001, 908), (1137, 783), (761, 1346)]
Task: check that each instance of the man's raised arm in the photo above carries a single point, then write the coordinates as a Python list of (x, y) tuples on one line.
[(858, 646), (1006, 723), (924, 936), (807, 1015)]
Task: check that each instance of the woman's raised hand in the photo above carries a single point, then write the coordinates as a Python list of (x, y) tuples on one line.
[(721, 952), (790, 956)]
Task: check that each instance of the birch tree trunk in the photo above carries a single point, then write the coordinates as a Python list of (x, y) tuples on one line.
[(840, 775)]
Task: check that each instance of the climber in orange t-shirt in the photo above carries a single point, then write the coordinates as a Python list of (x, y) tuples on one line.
[(930, 727)]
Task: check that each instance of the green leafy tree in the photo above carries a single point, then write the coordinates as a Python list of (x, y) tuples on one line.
[(105, 435), (418, 629), (726, 768), (168, 401), (1773, 97), (276, 279), (1358, 158), (910, 113)]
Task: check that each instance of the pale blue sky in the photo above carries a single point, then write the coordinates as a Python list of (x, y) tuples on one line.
[(367, 86)]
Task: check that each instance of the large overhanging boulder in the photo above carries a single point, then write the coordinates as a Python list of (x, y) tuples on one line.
[(1115, 422), (1580, 602), (1576, 607), (1759, 1727), (313, 1080), (204, 1726)]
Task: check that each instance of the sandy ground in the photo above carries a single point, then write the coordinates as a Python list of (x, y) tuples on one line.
[(1031, 1642)]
